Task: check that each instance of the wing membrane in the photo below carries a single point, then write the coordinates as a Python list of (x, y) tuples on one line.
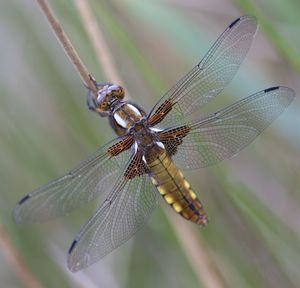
[(91, 178), (212, 74), (124, 212), (226, 132)]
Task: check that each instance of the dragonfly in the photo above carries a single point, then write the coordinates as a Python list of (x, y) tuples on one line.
[(145, 160)]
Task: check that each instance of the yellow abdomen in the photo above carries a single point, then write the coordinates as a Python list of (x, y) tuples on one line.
[(176, 191)]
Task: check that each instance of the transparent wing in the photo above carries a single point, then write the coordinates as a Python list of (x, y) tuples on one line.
[(91, 178), (124, 212), (212, 74), (226, 132)]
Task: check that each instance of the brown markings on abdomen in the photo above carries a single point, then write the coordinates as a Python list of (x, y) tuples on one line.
[(176, 191)]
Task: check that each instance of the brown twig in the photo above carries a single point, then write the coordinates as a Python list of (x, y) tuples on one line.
[(67, 46), (96, 36), (15, 261), (195, 250)]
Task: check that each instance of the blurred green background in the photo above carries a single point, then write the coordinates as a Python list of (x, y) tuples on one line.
[(253, 238)]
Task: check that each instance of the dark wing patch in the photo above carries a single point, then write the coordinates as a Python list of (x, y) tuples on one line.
[(121, 146), (172, 138), (136, 167)]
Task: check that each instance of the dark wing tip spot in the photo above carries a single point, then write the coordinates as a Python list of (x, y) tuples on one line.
[(25, 198), (234, 22), (271, 89), (72, 246)]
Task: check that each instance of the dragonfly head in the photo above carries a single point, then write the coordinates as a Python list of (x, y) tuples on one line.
[(108, 95)]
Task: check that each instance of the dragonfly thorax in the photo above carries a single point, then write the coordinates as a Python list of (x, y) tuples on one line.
[(143, 135), (125, 116)]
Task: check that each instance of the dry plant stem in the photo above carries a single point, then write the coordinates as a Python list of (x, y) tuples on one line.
[(202, 264), (67, 46), (99, 44), (15, 261), (194, 248)]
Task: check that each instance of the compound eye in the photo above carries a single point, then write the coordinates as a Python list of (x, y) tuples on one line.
[(100, 97), (103, 106), (102, 101), (120, 92)]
